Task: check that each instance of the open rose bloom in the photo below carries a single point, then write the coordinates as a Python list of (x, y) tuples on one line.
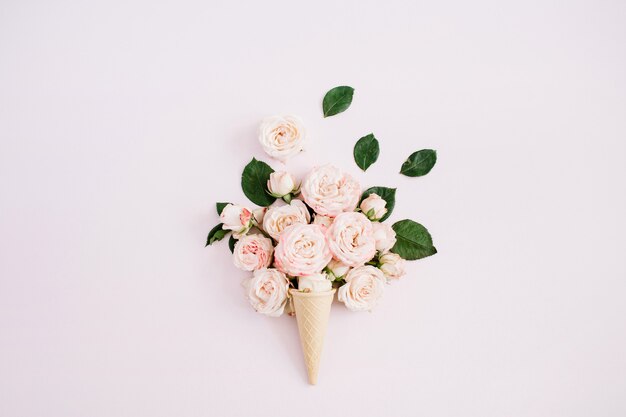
[(312, 237)]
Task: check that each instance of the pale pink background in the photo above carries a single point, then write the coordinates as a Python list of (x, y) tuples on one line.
[(122, 122)]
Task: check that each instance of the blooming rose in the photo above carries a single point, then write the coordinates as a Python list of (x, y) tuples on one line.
[(267, 291), (253, 252), (281, 183), (329, 191), (236, 218), (282, 136), (373, 207), (323, 221), (302, 250), (315, 283), (280, 216), (351, 239), (392, 265), (385, 237), (363, 288), (337, 269)]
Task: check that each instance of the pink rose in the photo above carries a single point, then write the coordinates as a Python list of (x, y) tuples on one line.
[(253, 252), (363, 289), (329, 191), (323, 221), (385, 237), (281, 183), (280, 216), (282, 136), (392, 265), (302, 250), (267, 291), (337, 269), (374, 207), (236, 218), (351, 239), (258, 215)]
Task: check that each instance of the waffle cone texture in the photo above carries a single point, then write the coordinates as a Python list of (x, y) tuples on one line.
[(312, 313)]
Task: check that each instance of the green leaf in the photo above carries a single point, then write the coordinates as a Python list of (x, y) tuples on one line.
[(366, 151), (412, 240), (220, 207), (419, 163), (387, 194), (217, 233), (337, 100), (254, 182), (231, 243)]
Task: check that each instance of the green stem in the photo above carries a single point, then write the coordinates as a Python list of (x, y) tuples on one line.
[(258, 227)]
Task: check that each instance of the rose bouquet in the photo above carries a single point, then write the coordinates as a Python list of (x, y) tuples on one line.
[(321, 234)]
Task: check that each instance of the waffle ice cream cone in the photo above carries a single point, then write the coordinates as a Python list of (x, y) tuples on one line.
[(312, 312)]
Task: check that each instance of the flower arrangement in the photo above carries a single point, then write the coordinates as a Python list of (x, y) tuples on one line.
[(321, 234)]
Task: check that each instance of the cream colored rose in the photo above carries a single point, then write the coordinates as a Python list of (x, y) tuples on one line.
[(281, 183), (302, 250), (392, 265), (258, 215), (328, 191), (314, 283), (337, 269), (374, 207), (236, 218), (385, 237), (351, 239), (267, 291), (253, 252), (363, 289), (282, 136), (280, 216), (323, 221)]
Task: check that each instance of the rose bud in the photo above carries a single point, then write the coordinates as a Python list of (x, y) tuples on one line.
[(384, 236), (392, 265), (337, 269), (281, 183), (374, 207), (236, 218)]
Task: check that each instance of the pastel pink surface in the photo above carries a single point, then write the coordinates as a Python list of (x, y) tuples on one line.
[(123, 122)]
